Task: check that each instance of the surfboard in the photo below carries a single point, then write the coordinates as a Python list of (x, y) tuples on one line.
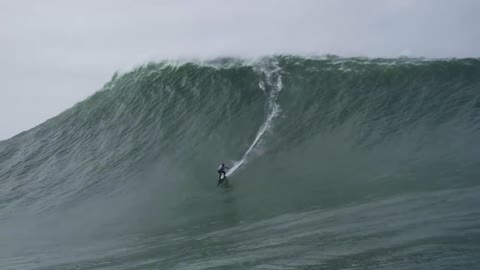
[(222, 179)]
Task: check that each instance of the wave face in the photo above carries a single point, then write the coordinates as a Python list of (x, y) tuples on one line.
[(338, 163)]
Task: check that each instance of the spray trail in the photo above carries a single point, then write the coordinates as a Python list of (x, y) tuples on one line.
[(273, 111)]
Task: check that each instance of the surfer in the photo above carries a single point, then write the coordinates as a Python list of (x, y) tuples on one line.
[(221, 172)]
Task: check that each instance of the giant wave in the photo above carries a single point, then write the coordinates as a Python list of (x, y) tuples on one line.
[(341, 163)]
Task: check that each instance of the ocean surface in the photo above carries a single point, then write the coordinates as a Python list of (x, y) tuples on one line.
[(336, 163)]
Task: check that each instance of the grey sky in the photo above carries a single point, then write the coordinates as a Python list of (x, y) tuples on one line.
[(54, 53)]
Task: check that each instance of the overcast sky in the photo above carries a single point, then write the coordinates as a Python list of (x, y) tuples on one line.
[(54, 53)]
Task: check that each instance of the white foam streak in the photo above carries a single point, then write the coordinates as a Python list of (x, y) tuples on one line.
[(273, 111)]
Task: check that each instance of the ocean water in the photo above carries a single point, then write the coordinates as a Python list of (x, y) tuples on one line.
[(337, 163)]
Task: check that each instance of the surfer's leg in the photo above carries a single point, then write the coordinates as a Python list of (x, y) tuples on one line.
[(220, 178)]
